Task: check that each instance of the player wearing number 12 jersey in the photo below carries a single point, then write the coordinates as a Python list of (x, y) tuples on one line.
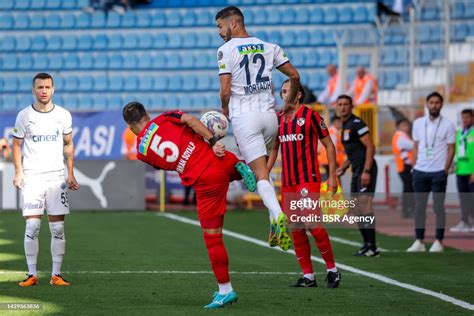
[(245, 70), (175, 141)]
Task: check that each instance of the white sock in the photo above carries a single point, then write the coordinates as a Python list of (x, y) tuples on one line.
[(332, 270), (309, 276), (269, 198), (58, 245), (225, 288), (31, 244)]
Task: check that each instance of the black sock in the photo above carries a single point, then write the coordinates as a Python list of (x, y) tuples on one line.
[(371, 232), (363, 232)]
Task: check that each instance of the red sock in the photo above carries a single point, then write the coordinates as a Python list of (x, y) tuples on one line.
[(218, 257), (302, 250), (324, 245)]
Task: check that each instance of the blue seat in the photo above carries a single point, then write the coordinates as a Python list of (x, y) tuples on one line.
[(159, 61), (37, 22), (84, 42), (364, 60), (115, 41), (288, 38), (288, 16), (329, 39), (188, 61), (353, 60), (6, 22), (115, 61), (53, 21), (461, 31), (331, 16), (199, 101), (115, 83), (130, 61), (101, 61), (53, 4), (55, 61), (360, 15), (25, 62), (100, 102), (173, 18), (201, 61), (86, 61), (430, 13), (311, 58), (100, 42), (173, 61), (9, 61), (83, 21), (100, 83), (435, 34), (71, 62), (158, 19), (184, 102), (273, 16), (24, 44), (175, 41), (171, 102), (389, 57), (70, 83), (22, 4), (204, 82), (10, 102), (114, 102), (316, 16), (189, 82), (68, 20), (130, 41), (129, 20), (37, 4), (345, 15), (175, 83), (21, 22), (6, 4), (130, 83), (316, 38), (54, 43), (469, 12), (145, 41), (160, 83), (145, 61), (302, 38), (98, 20), (86, 83), (297, 58), (260, 17), (71, 4), (189, 18), (40, 62), (458, 10), (143, 18), (10, 84), (113, 20), (274, 37), (86, 102), (24, 83), (302, 15), (161, 40), (7, 43), (204, 18), (25, 100), (324, 58), (203, 39), (145, 83), (189, 40)]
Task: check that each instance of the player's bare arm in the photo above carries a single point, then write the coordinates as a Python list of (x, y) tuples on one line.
[(449, 160), (342, 169), (369, 159), (68, 150), (273, 156), (415, 153), (225, 93), (294, 76), (331, 155), (18, 178), (201, 129)]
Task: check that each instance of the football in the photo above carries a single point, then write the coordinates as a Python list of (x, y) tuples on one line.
[(216, 122)]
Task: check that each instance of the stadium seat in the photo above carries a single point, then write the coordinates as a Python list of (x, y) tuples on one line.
[(53, 21), (324, 58), (145, 61), (7, 43), (204, 18), (145, 41), (296, 57), (353, 60), (22, 21), (86, 61), (84, 42), (24, 83), (430, 13), (311, 58), (189, 40), (288, 38), (71, 62), (37, 4), (173, 18), (260, 17), (274, 37), (115, 83), (161, 40), (130, 41), (100, 83), (24, 44), (129, 20), (199, 101), (130, 61), (201, 60), (189, 18), (98, 20), (22, 4), (316, 38), (114, 102), (273, 16), (329, 39), (389, 57), (458, 10), (175, 83), (6, 22), (68, 21), (100, 61), (173, 61), (158, 19), (100, 102), (345, 15), (160, 83), (100, 42), (175, 40), (143, 18), (55, 61), (40, 62), (288, 16), (115, 61), (10, 103), (316, 16), (85, 102), (188, 61), (203, 83), (171, 102), (115, 41), (159, 61), (461, 31), (6, 4), (71, 83), (248, 17), (360, 15), (9, 61), (114, 20), (53, 4), (83, 21), (25, 100), (216, 40), (189, 82), (68, 5), (86, 83), (145, 83), (130, 83), (10, 84), (54, 43), (302, 38), (25, 62)]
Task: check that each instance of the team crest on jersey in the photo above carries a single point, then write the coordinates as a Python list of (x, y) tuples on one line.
[(304, 192), (250, 49), (145, 142), (346, 134), (322, 124), (220, 55), (300, 121)]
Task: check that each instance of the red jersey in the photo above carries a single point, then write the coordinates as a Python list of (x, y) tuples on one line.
[(298, 140), (166, 143)]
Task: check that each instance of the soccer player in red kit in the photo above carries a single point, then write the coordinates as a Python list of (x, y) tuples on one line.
[(298, 133), (176, 141)]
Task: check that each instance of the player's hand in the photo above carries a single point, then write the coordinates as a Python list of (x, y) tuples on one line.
[(340, 171), (365, 179), (72, 182), (332, 184), (471, 178), (225, 111), (18, 180), (219, 149)]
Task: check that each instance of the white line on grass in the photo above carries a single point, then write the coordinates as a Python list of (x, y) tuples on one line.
[(356, 244), (159, 272), (371, 275)]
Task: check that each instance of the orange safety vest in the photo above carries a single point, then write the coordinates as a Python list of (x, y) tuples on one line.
[(340, 156), (402, 157), (359, 85), (129, 142)]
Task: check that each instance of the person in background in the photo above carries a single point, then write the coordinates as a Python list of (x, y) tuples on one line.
[(129, 142), (364, 88), (465, 171), (6, 152), (335, 134), (333, 87), (402, 147)]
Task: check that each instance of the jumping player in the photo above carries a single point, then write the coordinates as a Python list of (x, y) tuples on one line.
[(176, 141)]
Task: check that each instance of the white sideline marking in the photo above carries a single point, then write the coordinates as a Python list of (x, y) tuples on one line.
[(356, 244), (160, 272), (371, 275)]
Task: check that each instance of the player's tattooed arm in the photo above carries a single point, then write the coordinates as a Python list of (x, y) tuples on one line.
[(68, 150), (18, 179), (201, 129), (225, 93)]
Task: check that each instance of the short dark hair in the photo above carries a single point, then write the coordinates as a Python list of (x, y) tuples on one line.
[(400, 121), (300, 90), (42, 76), (434, 94), (229, 11), (134, 112), (344, 96), (334, 118), (467, 111)]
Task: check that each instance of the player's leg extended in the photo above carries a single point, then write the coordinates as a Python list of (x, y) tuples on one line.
[(32, 229), (321, 238), (303, 255)]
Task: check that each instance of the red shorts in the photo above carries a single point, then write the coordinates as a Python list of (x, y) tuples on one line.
[(299, 201), (211, 190)]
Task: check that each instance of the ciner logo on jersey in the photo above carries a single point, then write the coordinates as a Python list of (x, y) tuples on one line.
[(291, 138), (46, 138), (250, 49)]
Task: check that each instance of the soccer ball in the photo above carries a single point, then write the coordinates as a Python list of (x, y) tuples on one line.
[(216, 122)]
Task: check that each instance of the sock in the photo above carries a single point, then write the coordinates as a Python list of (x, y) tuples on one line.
[(371, 233), (309, 276), (225, 288), (31, 244), (332, 270), (363, 232), (321, 238), (218, 257), (269, 198), (302, 250), (58, 245)]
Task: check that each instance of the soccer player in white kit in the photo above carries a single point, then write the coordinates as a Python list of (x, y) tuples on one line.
[(45, 131), (245, 70)]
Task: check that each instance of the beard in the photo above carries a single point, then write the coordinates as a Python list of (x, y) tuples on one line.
[(434, 113)]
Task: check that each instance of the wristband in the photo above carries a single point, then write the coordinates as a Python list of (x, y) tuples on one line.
[(213, 140)]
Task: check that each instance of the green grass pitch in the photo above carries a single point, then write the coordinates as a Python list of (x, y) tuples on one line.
[(110, 257)]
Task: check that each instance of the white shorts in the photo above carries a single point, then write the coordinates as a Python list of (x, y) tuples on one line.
[(255, 133), (39, 195)]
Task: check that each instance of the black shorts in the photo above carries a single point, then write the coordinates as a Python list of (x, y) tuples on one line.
[(356, 186)]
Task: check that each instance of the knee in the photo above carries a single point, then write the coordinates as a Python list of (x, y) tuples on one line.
[(57, 229), (32, 229)]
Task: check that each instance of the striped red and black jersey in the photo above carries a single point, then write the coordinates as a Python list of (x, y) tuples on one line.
[(298, 141)]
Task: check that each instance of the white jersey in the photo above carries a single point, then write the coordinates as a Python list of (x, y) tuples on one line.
[(43, 140), (250, 62)]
